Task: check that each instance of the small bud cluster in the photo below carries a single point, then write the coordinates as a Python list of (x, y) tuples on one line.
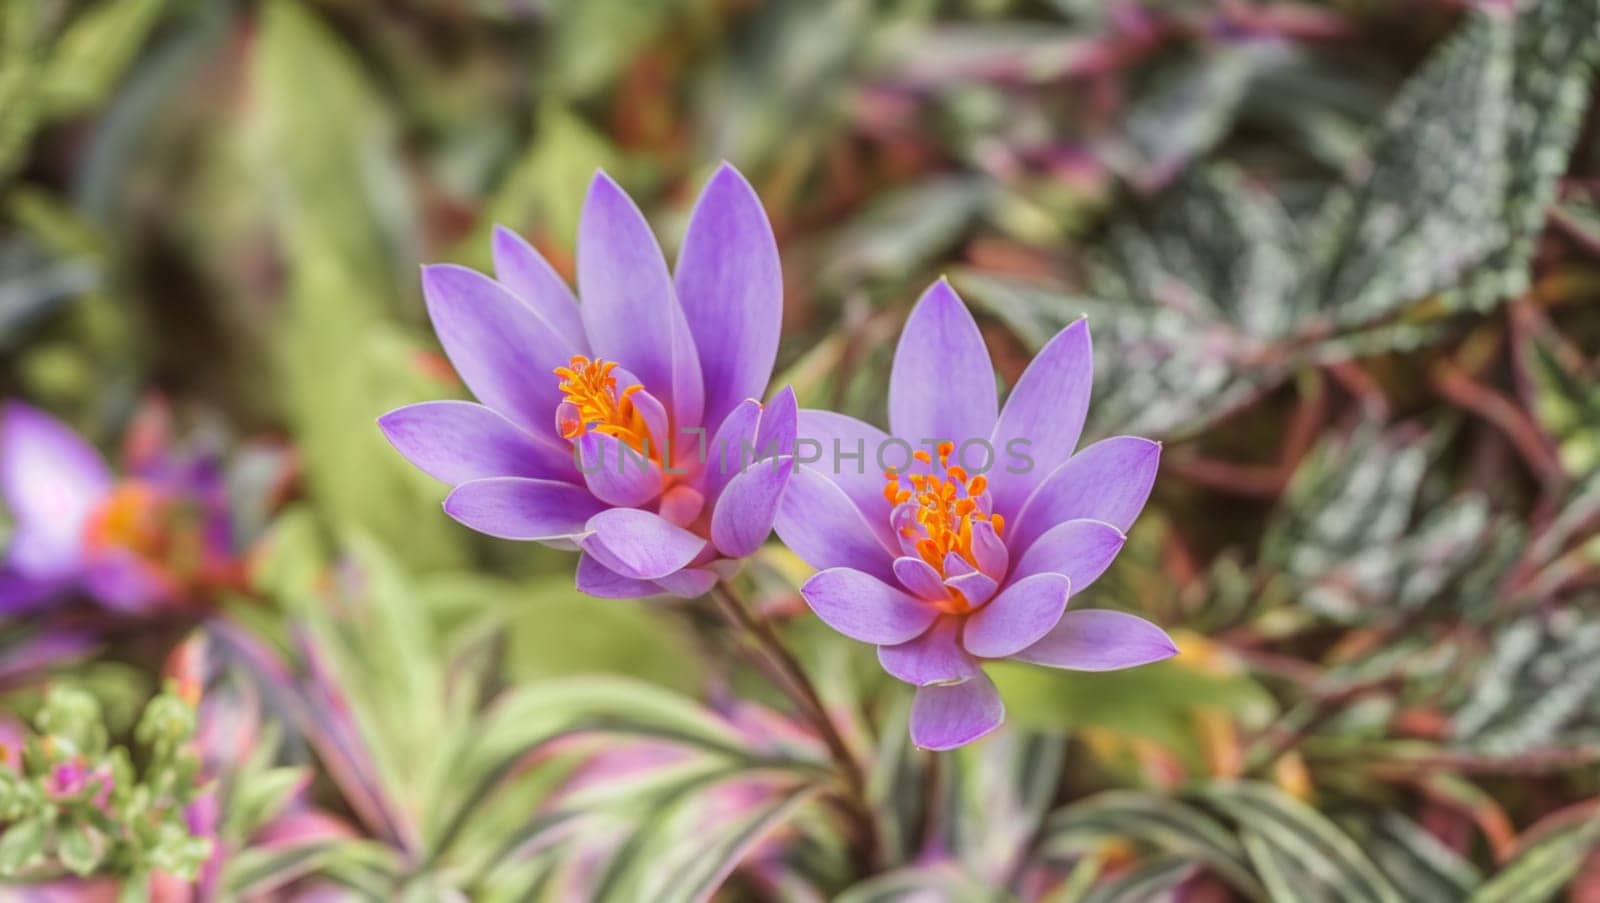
[(70, 801)]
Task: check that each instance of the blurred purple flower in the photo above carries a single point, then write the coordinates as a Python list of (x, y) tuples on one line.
[(619, 427), (943, 569), (135, 545)]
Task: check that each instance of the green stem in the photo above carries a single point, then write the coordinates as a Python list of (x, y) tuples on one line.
[(773, 658)]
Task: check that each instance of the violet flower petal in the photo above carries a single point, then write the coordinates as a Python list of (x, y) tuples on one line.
[(457, 441), (1018, 617), (990, 550), (744, 513), (1046, 409), (775, 432), (656, 420), (974, 585), (630, 309), (1108, 481), (123, 582), (1081, 549), (615, 472), (941, 385), (20, 594), (839, 439), (1100, 640), (682, 505), (50, 480), (503, 351), (639, 544), (919, 577), (819, 523), (725, 453), (522, 509), (731, 287), (935, 657), (521, 268), (864, 608), (596, 579), (689, 583), (952, 715)]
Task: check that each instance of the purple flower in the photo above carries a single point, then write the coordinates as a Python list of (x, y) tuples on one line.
[(133, 545), (983, 525), (621, 427)]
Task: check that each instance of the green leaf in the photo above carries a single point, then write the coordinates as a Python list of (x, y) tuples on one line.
[(1423, 868), (1153, 879), (22, 845), (80, 847), (1168, 826), (326, 149), (1155, 702), (95, 50), (699, 876), (1540, 871), (1557, 44), (552, 630), (1301, 842), (1426, 205)]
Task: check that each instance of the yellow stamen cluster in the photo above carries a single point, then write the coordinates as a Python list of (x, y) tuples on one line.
[(590, 387), (947, 507)]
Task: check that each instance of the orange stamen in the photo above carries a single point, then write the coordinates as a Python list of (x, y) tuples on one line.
[(947, 507), (590, 387)]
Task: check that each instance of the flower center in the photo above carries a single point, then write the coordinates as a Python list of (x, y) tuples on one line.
[(151, 524), (592, 402), (947, 503), (133, 517)]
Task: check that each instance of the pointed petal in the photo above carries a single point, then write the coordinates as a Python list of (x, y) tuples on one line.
[(1108, 481), (596, 579), (864, 608), (1100, 640), (775, 434), (521, 268), (919, 577), (936, 657), (522, 509), (818, 522), (745, 512), (731, 287), (941, 385), (990, 550), (726, 454), (502, 350), (848, 450), (614, 472), (457, 441), (1046, 410), (1081, 549), (640, 544), (654, 415), (945, 717), (1018, 617), (748, 506), (630, 310), (50, 480)]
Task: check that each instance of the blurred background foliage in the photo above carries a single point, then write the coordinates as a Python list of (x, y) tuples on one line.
[(1340, 256)]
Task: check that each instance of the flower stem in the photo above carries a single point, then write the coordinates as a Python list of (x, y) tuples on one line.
[(775, 660)]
